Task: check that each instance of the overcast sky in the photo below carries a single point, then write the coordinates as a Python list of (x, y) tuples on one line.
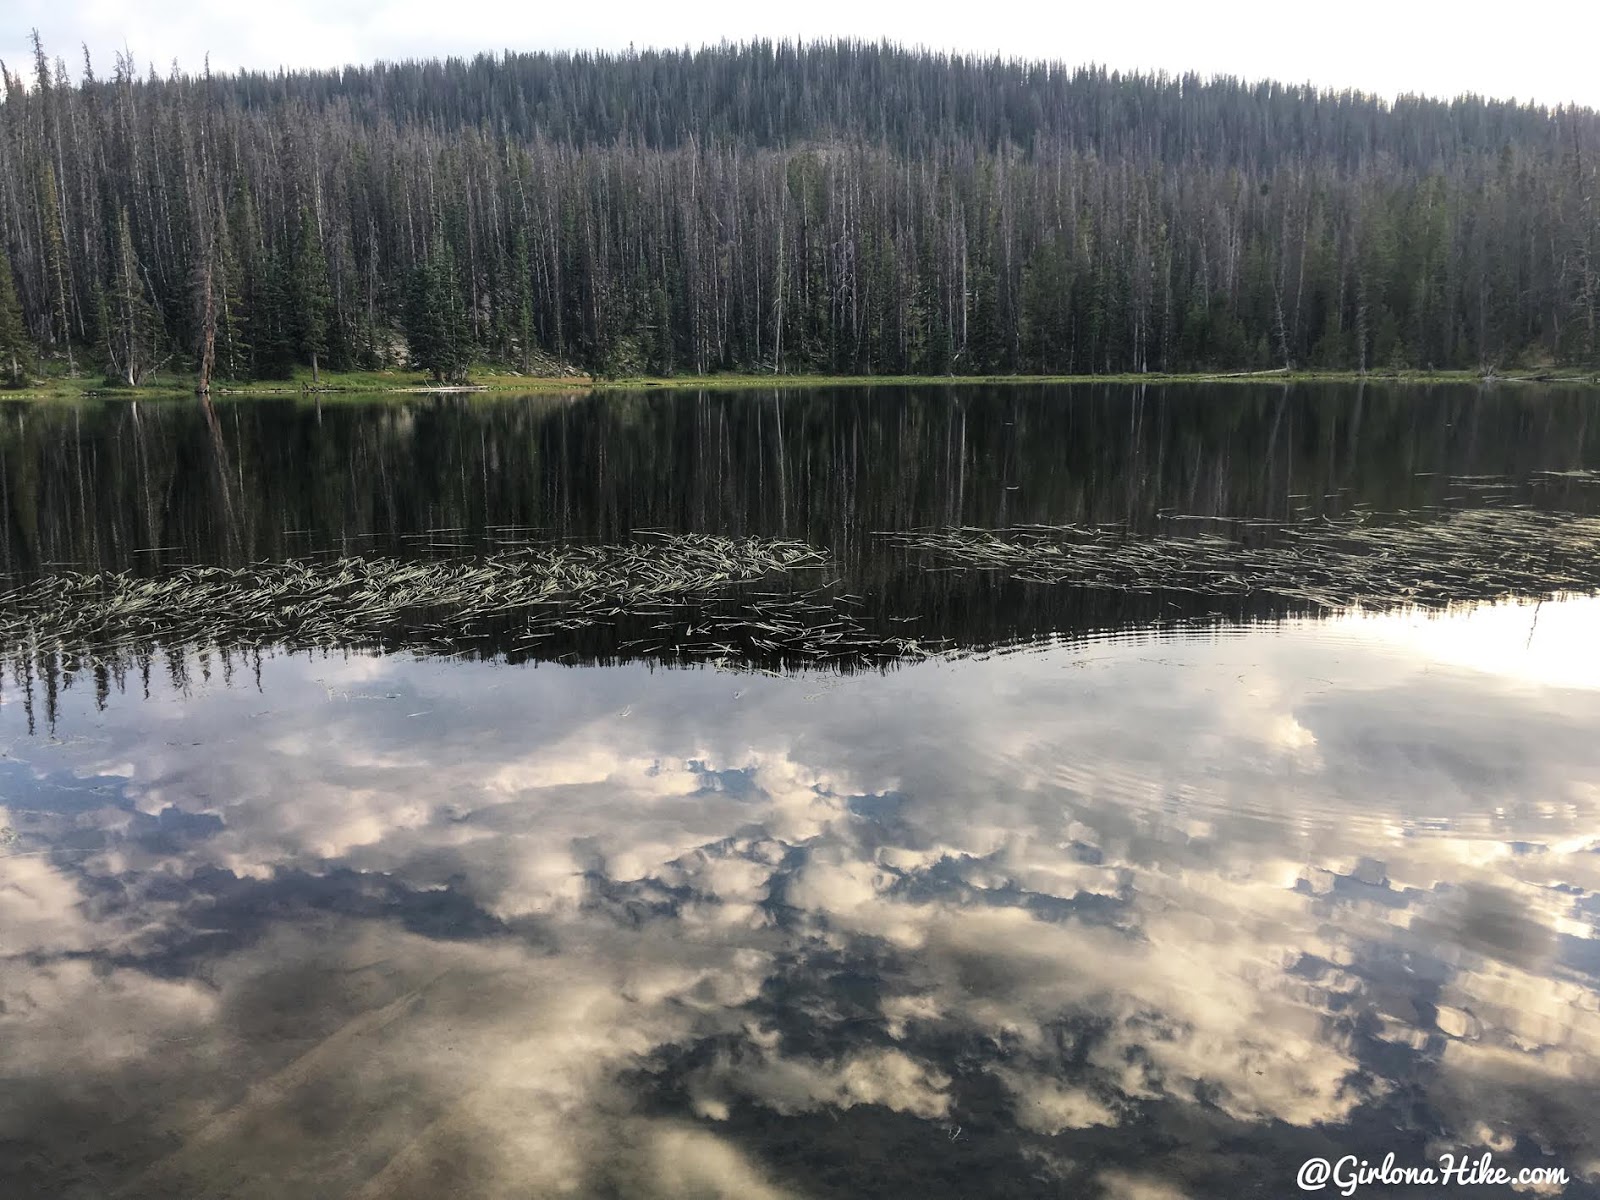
[(1534, 49)]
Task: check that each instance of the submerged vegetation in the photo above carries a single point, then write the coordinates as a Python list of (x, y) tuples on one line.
[(1479, 554), (664, 591), (691, 597), (836, 209), (131, 535)]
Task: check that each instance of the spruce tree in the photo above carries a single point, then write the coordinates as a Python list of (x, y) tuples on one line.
[(270, 334), (312, 298), (55, 257), (16, 351), (232, 350), (436, 324), (1033, 220), (133, 331), (521, 270)]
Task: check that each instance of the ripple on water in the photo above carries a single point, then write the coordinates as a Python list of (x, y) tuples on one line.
[(1403, 723)]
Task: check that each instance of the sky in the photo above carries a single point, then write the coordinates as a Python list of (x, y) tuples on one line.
[(1539, 50)]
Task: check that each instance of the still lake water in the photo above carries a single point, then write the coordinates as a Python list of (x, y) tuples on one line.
[(991, 883)]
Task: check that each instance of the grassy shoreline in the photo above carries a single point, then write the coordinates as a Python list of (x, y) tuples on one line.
[(410, 382)]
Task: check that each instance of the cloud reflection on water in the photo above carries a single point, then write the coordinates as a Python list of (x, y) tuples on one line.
[(1155, 916)]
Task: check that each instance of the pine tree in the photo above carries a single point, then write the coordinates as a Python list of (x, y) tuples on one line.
[(521, 270), (268, 326), (55, 259), (436, 321), (232, 353), (16, 351), (133, 331), (661, 357), (1034, 220), (312, 298), (1046, 286)]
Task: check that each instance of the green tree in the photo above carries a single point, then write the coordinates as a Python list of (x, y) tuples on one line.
[(232, 351), (132, 328), (1046, 291), (521, 272), (268, 328), (16, 351), (436, 326), (55, 258), (312, 298)]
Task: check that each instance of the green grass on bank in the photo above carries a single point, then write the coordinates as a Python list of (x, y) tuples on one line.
[(399, 382), (331, 383), (1584, 377)]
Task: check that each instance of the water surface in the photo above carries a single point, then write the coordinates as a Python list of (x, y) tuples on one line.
[(1137, 887)]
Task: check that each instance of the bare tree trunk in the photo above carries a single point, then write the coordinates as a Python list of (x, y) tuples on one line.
[(208, 332), (777, 329)]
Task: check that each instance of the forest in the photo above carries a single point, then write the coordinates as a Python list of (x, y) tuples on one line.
[(834, 208)]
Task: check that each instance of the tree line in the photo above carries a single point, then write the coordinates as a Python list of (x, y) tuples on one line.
[(832, 208)]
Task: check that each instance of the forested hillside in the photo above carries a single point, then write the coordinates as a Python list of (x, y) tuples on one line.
[(835, 208)]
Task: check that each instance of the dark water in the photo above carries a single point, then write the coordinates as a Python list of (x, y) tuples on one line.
[(1149, 889)]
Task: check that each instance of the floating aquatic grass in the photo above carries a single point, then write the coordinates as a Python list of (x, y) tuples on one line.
[(676, 596), (756, 601), (1474, 555)]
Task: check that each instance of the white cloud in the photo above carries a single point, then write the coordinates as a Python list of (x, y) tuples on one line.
[(1114, 854), (1047, 1106), (790, 1085)]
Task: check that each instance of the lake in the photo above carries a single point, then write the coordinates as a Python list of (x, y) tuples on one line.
[(1018, 791)]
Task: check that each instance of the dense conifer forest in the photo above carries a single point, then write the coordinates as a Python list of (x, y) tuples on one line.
[(834, 208)]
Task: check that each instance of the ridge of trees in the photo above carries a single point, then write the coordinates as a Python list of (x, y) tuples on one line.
[(837, 207)]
